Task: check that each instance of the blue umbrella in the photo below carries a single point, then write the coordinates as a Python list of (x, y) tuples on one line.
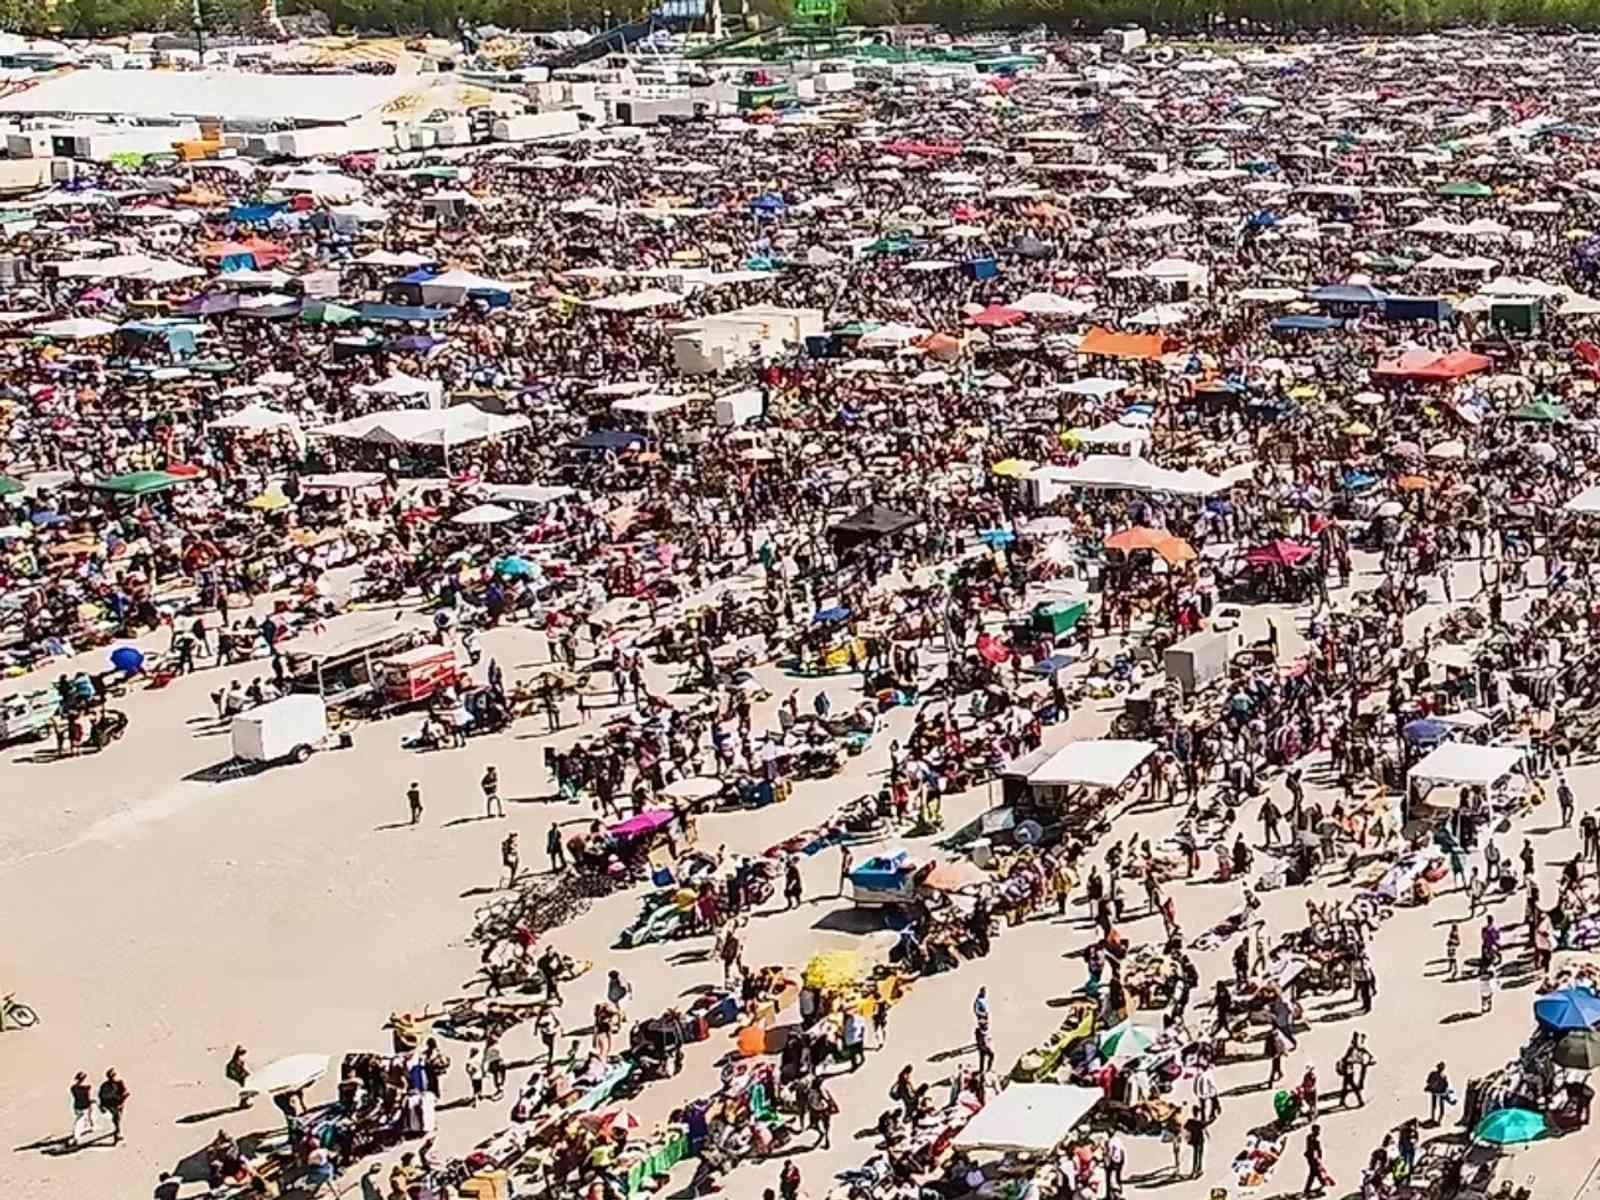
[(836, 613), (1425, 732), (47, 518), (1264, 219), (1570, 1008), (771, 202), (997, 537), (127, 659)]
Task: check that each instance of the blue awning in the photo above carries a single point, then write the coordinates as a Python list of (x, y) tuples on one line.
[(401, 312)]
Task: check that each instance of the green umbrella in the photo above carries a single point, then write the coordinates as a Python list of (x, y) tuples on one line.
[(1540, 410), (1127, 1040), (1466, 187), (138, 483), (1505, 1126), (9, 485), (1579, 1050)]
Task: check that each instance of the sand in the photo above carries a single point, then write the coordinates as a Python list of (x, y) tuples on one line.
[(157, 920)]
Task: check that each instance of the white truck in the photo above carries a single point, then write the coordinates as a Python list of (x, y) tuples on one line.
[(285, 730)]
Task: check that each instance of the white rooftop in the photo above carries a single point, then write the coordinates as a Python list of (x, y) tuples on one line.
[(227, 95)]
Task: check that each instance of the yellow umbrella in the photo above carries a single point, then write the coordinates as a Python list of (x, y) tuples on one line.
[(1358, 429), (270, 500), (1304, 392), (1011, 468)]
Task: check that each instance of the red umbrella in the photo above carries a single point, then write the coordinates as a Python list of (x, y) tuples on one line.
[(1280, 553), (997, 316), (992, 649)]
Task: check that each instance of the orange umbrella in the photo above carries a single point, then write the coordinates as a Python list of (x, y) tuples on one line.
[(1413, 483), (1175, 550), (1140, 537)]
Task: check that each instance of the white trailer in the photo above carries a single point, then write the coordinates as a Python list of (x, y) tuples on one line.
[(281, 731)]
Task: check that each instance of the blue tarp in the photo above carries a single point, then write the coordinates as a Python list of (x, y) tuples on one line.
[(1417, 308), (420, 275), (251, 213), (836, 613)]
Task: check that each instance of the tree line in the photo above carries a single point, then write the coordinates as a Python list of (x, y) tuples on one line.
[(89, 18)]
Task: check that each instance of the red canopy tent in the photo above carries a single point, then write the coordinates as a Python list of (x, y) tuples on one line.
[(997, 316), (926, 149), (1427, 366), (992, 649), (1122, 345), (1279, 553)]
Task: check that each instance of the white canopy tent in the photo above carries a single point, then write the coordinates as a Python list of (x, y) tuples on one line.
[(1586, 501), (1106, 762), (458, 425), (404, 387), (1028, 1118), (1464, 764)]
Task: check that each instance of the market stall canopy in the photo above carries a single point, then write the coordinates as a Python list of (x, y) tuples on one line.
[(139, 483), (256, 418), (1464, 763), (1122, 345), (1430, 366), (1028, 1118), (454, 426), (869, 524), (1586, 501), (1106, 762), (1116, 471), (287, 1074)]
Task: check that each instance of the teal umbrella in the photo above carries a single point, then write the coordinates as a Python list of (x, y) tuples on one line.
[(1506, 1126), (1466, 187)]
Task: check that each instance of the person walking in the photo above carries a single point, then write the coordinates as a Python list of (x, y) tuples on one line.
[(1486, 986), (1565, 799), (845, 863), (82, 1108), (823, 1109), (549, 1028), (789, 1181), (980, 1036), (1116, 1159), (1353, 1067), (619, 991), (493, 806), (1195, 1129), (791, 883), (474, 1070), (880, 1023), (494, 1065), (1452, 950), (114, 1102), (1316, 1171), (1274, 1051), (556, 849), (1366, 981), (238, 1072), (1437, 1088), (510, 858), (414, 799)]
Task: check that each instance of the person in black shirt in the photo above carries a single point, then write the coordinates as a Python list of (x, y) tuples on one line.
[(1195, 1127), (82, 1108), (1316, 1173), (113, 1099)]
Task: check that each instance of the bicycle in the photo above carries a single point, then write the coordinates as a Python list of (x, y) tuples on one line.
[(20, 1015)]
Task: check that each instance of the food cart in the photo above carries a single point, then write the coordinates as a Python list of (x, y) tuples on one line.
[(414, 676)]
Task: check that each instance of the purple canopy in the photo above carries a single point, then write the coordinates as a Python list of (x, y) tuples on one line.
[(645, 822)]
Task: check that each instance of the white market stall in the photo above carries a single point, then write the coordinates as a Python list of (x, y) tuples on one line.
[(1027, 1118), (1463, 765)]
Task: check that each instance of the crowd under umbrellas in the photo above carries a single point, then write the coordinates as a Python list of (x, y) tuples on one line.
[(894, 452)]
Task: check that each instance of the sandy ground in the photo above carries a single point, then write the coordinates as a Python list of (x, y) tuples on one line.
[(164, 919)]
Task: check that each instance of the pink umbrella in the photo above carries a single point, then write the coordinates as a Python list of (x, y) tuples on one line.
[(1279, 553)]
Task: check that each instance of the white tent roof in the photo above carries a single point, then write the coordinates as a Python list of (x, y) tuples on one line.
[(1028, 1117), (256, 418), (1104, 763), (452, 426), (1463, 762), (1586, 501), (636, 301), (650, 406), (484, 514), (401, 384), (74, 327), (225, 95), (1132, 474), (891, 336), (529, 493), (1094, 386), (466, 281)]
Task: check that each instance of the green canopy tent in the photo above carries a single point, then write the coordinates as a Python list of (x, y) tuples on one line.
[(1544, 411), (138, 483), (324, 312), (10, 485), (1466, 187)]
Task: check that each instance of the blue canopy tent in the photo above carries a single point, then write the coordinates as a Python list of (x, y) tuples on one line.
[(401, 312), (1567, 1009), (607, 439), (828, 615), (1358, 481), (1425, 732), (1346, 298), (1417, 308), (1305, 323)]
